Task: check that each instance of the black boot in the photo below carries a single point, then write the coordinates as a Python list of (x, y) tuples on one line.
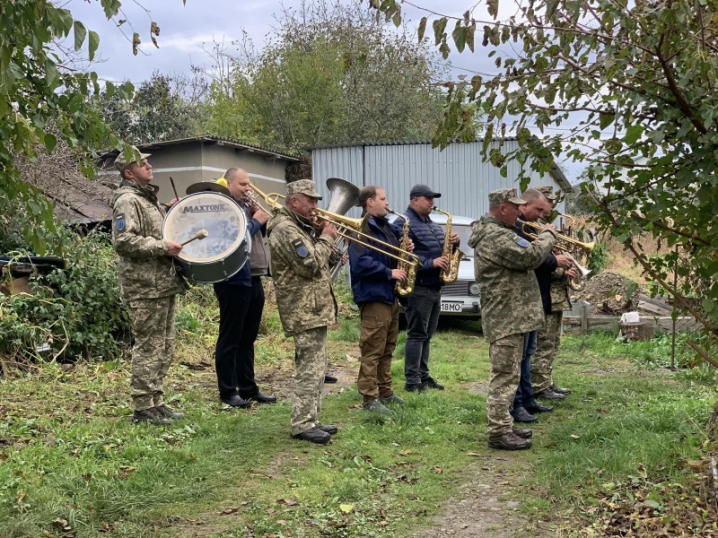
[(520, 414), (535, 407)]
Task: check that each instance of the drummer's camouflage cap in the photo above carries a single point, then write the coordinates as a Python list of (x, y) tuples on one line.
[(547, 191), (121, 163), (303, 186), (502, 196)]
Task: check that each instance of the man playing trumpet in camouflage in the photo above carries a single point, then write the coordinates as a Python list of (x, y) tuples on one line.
[(510, 306), (549, 337), (300, 267)]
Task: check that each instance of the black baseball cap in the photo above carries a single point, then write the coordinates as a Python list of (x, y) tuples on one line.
[(423, 190)]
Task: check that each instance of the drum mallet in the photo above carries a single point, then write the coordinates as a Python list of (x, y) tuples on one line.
[(172, 182), (200, 235)]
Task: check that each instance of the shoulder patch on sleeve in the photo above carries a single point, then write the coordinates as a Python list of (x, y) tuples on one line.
[(300, 248), (520, 241), (120, 222)]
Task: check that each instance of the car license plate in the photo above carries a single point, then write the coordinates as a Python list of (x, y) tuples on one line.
[(451, 307)]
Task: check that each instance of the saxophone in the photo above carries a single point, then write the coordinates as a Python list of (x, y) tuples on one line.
[(407, 264), (454, 256)]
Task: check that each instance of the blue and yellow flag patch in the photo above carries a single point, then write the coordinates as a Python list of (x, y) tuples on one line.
[(520, 241), (120, 222), (300, 248)]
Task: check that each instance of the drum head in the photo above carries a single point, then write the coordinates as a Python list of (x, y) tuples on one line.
[(220, 215)]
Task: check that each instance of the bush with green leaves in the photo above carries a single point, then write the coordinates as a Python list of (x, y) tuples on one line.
[(76, 310)]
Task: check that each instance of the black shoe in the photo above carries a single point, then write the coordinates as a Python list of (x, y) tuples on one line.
[(559, 390), (151, 416), (314, 435), (431, 383), (331, 429), (167, 412), (330, 379), (536, 407), (236, 401), (509, 441), (548, 394), (262, 398), (415, 387), (521, 415), (524, 433)]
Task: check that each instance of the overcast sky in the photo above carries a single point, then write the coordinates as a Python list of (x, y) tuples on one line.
[(186, 29)]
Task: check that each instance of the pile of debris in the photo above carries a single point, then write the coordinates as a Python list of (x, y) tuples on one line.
[(609, 292)]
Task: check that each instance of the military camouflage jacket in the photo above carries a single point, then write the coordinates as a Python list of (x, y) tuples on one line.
[(145, 270), (504, 264), (560, 299), (299, 265)]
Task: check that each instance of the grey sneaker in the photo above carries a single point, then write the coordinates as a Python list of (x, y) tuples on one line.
[(391, 399), (167, 412), (377, 407), (151, 416)]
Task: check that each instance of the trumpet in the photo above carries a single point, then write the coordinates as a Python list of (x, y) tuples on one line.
[(352, 229), (565, 243)]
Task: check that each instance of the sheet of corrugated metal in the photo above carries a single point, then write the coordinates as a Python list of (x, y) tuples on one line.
[(458, 173)]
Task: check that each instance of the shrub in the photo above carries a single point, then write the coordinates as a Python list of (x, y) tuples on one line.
[(77, 310)]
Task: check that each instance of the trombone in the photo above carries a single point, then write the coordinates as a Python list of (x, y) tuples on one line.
[(271, 199), (351, 229)]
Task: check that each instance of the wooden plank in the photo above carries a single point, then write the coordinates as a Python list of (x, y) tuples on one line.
[(654, 308), (662, 323)]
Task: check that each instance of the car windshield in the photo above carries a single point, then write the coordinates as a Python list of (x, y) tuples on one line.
[(464, 234)]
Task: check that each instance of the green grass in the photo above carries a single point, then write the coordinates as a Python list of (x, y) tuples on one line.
[(71, 455)]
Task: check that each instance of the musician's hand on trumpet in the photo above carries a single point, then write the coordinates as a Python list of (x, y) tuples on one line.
[(572, 272), (564, 262)]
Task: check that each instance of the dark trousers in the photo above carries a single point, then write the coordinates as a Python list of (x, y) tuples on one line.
[(422, 317), (240, 313), (525, 392)]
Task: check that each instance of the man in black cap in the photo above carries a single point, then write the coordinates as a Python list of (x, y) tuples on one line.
[(423, 306)]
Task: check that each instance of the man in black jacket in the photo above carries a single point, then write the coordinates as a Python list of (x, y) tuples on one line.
[(423, 306), (524, 402)]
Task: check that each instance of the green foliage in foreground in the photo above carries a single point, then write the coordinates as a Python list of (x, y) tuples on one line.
[(78, 460), (77, 310)]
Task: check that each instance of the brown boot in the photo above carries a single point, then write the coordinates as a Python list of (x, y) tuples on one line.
[(509, 441), (524, 433)]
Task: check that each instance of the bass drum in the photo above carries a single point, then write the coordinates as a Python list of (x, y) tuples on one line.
[(225, 249)]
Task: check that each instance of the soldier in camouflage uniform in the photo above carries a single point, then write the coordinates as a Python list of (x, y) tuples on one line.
[(299, 264), (510, 306), (549, 337), (148, 285)]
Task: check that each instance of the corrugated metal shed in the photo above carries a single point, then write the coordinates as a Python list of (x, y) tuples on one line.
[(458, 172)]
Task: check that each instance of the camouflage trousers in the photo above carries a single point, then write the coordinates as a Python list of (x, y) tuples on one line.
[(379, 332), (505, 355), (310, 364), (549, 339), (153, 327)]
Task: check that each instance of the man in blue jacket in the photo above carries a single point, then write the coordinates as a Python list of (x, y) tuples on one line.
[(423, 306), (241, 301), (374, 276)]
